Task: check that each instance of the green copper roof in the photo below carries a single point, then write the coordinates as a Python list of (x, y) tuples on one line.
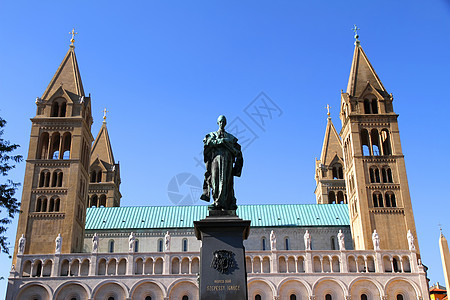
[(267, 215)]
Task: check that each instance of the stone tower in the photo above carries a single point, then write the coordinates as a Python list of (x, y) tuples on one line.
[(330, 183), (56, 176), (377, 187), (445, 257), (104, 172)]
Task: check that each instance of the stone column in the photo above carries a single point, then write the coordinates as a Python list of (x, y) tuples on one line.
[(131, 264), (343, 262), (308, 262), (93, 265)]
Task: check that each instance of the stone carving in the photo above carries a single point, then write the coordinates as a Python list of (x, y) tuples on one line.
[(341, 241), (307, 239), (22, 241), (375, 240), (58, 242), (167, 241), (223, 159), (131, 241), (223, 261), (410, 238), (273, 241), (95, 243)]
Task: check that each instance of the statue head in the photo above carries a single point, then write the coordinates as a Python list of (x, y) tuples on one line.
[(222, 121)]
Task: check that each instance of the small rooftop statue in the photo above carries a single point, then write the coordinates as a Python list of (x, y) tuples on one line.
[(223, 158)]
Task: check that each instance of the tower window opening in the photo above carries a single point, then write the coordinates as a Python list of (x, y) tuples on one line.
[(44, 205), (385, 141), (377, 199), (51, 205), (367, 106), (43, 146), (136, 246), (337, 172), (60, 179), (292, 297), (39, 205), (57, 204), (390, 199), (365, 143), (375, 142), (99, 176), (148, 298), (67, 139), (94, 199), (395, 263), (364, 297), (62, 109), (55, 109), (93, 176), (102, 202), (54, 150), (399, 297), (328, 297), (185, 297), (331, 198), (333, 243), (263, 243), (340, 197), (258, 297), (374, 103)]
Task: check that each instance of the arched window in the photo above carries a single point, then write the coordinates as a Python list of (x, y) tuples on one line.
[(377, 199), (111, 246), (57, 204), (148, 298), (333, 243), (54, 146), (55, 109), (365, 143), (99, 176), (136, 246), (364, 297), (43, 146), (337, 172), (263, 243), (94, 200), (331, 197), (102, 202), (39, 205), (60, 179), (366, 106), (286, 244), (51, 205), (374, 106), (44, 205), (374, 137), (185, 297), (44, 179), (292, 297), (111, 298), (385, 142), (340, 197), (67, 139), (93, 176), (62, 109), (185, 245), (399, 297), (258, 297), (160, 245), (54, 178), (390, 199), (328, 297), (395, 263)]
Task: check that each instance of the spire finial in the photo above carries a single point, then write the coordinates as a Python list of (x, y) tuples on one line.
[(328, 111), (104, 115), (72, 40), (440, 228), (355, 29)]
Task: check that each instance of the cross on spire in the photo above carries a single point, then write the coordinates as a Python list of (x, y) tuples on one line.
[(355, 29), (328, 110), (104, 115), (72, 40)]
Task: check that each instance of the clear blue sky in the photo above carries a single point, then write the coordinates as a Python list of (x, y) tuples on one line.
[(166, 70)]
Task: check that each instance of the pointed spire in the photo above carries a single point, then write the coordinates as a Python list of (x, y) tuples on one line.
[(67, 76), (102, 147), (362, 73), (332, 144), (445, 257)]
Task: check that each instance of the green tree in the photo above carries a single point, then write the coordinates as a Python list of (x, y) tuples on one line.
[(8, 203)]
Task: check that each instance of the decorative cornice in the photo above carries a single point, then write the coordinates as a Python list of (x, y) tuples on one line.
[(387, 210), (53, 162), (46, 215), (46, 190)]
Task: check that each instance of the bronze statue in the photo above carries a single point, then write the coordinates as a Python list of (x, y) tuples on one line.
[(223, 158)]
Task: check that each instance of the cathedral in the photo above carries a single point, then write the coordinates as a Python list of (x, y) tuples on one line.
[(74, 241)]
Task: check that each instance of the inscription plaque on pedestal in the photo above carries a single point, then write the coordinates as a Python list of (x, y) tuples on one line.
[(223, 274)]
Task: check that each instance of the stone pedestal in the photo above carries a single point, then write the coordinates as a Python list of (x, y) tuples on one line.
[(223, 274)]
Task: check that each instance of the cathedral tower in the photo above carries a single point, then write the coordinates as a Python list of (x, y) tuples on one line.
[(104, 172), (377, 187), (56, 175), (330, 183)]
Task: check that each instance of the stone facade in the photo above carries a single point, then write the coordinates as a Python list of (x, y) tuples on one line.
[(362, 165)]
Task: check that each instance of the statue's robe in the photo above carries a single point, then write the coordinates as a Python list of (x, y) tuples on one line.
[(223, 158)]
